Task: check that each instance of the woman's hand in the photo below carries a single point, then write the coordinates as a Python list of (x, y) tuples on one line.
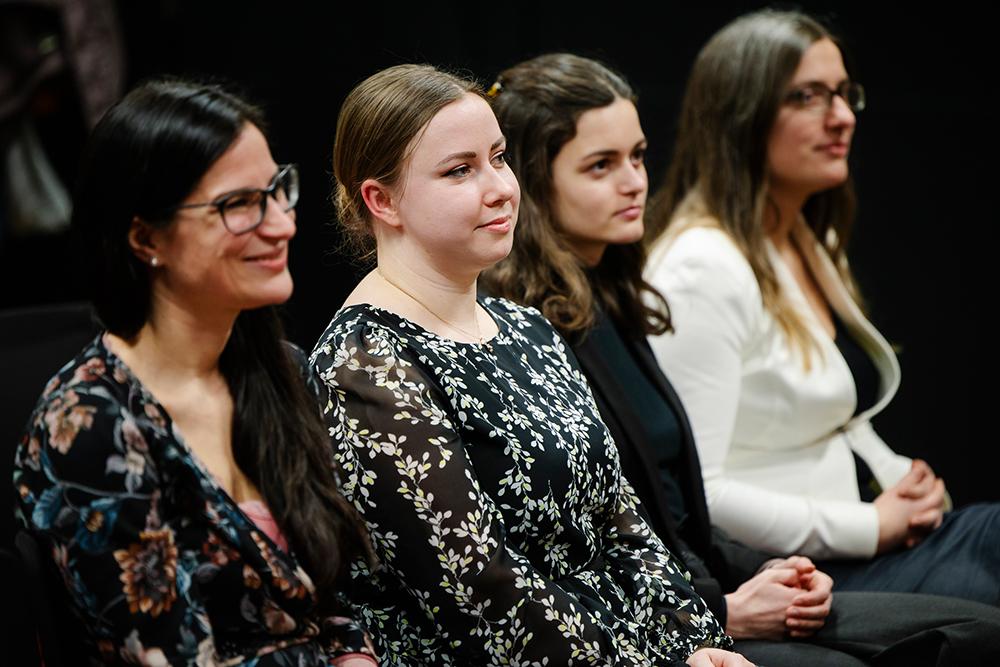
[(788, 596), (910, 510), (716, 657), (758, 608), (811, 606)]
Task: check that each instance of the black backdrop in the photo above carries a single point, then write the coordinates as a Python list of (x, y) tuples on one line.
[(922, 159)]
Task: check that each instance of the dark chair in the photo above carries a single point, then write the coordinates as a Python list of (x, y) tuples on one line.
[(21, 645), (45, 632), (34, 344)]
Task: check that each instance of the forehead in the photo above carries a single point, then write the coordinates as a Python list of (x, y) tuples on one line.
[(821, 62), (467, 124), (247, 163), (612, 127)]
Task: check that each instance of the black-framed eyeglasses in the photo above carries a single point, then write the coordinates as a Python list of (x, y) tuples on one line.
[(819, 97), (242, 211)]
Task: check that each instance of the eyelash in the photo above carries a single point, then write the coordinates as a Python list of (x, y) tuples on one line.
[(464, 169), (637, 156)]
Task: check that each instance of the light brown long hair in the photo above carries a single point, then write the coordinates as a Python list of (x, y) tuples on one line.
[(718, 174), (378, 121), (538, 103)]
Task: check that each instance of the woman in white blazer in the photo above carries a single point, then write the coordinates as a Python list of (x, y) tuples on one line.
[(777, 366)]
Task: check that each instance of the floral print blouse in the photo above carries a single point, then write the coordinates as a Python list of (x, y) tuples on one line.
[(161, 564), (493, 493)]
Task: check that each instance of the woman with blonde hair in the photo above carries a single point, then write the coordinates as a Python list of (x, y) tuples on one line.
[(468, 438)]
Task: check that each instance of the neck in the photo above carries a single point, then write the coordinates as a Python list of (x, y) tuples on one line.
[(446, 294), (781, 213), (177, 345)]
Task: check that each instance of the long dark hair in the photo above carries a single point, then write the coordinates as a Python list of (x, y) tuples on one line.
[(719, 168), (145, 156), (538, 103)]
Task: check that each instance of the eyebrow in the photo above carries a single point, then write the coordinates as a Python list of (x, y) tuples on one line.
[(245, 190), (468, 155), (608, 152), (817, 82)]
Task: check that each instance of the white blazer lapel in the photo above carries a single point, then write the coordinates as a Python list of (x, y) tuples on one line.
[(840, 300)]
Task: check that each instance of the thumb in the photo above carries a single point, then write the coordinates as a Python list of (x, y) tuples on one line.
[(787, 576)]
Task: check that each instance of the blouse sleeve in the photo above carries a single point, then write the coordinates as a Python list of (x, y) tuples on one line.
[(436, 533), (716, 304), (88, 485)]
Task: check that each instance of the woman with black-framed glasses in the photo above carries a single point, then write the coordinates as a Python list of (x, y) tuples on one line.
[(178, 467), (777, 365)]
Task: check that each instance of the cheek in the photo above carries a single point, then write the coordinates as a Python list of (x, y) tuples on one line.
[(585, 209)]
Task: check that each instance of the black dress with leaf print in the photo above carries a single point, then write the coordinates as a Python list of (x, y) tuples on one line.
[(494, 496), (161, 565)]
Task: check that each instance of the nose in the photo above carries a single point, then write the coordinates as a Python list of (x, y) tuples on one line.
[(839, 115), (502, 186), (633, 178), (278, 224)]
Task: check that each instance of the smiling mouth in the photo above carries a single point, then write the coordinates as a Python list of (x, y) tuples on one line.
[(502, 221), (274, 256)]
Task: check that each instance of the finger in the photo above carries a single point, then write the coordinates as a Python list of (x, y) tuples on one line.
[(927, 520), (800, 634), (810, 599), (816, 612), (924, 466), (801, 624), (918, 488), (934, 498), (783, 575), (802, 564)]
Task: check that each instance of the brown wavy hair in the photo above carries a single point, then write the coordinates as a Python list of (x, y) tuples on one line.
[(718, 174), (538, 103)]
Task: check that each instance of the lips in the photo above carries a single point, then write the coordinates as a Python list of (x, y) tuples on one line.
[(501, 224), (276, 259), (632, 212), (835, 149)]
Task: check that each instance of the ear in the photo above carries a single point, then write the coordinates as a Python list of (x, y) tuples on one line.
[(144, 240), (381, 202)]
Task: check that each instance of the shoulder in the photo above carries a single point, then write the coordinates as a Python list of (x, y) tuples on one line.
[(94, 379), (515, 315), (365, 327), (705, 260), (93, 425), (705, 248)]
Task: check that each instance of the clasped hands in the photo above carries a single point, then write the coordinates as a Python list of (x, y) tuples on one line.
[(787, 597), (912, 509)]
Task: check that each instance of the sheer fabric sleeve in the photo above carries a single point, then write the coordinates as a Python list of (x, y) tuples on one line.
[(435, 531)]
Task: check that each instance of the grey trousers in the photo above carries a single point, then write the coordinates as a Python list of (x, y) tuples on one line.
[(889, 629)]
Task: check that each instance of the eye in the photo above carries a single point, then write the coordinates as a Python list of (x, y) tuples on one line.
[(239, 200), (459, 171), (638, 156), (600, 167), (499, 159)]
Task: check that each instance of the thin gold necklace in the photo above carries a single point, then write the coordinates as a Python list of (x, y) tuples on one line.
[(478, 336)]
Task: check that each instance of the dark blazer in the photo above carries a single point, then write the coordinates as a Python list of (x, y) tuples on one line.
[(717, 563)]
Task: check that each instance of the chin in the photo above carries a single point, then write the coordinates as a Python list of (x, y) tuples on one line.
[(277, 292)]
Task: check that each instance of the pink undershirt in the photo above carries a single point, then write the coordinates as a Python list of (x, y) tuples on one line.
[(261, 515)]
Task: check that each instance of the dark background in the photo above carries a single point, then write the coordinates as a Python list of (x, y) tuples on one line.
[(923, 158)]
